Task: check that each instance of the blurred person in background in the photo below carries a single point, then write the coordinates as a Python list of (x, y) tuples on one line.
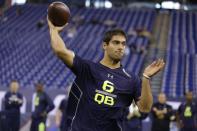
[(43, 105), (133, 121), (162, 114), (186, 114), (12, 102), (61, 114)]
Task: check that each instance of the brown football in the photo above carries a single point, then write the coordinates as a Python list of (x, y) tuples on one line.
[(58, 13)]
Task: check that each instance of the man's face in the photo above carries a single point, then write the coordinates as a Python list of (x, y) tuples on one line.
[(116, 47), (162, 98), (14, 86), (39, 88)]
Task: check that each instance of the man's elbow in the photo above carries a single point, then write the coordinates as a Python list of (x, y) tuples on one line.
[(59, 53), (62, 55)]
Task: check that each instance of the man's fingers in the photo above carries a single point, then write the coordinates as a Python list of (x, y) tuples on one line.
[(154, 63), (51, 26), (155, 67), (159, 63), (163, 63)]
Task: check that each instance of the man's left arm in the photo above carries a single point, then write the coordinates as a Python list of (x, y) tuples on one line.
[(146, 99)]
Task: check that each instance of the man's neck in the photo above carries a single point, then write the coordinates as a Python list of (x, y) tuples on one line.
[(110, 63), (188, 102), (14, 92), (39, 92)]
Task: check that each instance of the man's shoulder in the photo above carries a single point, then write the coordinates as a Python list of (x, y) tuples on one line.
[(124, 73), (7, 93), (183, 104), (20, 94), (83, 61), (45, 94), (127, 73), (156, 104)]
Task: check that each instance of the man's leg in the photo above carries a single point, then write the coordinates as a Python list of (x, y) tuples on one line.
[(15, 122), (33, 125), (42, 124)]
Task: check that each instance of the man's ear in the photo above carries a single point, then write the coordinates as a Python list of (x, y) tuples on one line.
[(104, 45)]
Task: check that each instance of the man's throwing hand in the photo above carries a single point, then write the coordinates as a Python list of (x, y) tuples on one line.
[(154, 68)]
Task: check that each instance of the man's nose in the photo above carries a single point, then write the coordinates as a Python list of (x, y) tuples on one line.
[(121, 46)]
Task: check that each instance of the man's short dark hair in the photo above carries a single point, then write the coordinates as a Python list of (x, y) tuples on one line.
[(109, 34)]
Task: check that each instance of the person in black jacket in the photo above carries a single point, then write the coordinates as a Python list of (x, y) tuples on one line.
[(43, 105), (62, 115), (162, 114), (63, 118), (12, 102), (187, 114)]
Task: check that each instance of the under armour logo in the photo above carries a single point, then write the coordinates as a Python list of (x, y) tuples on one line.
[(110, 76)]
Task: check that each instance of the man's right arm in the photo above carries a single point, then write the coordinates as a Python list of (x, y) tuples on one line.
[(58, 45)]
